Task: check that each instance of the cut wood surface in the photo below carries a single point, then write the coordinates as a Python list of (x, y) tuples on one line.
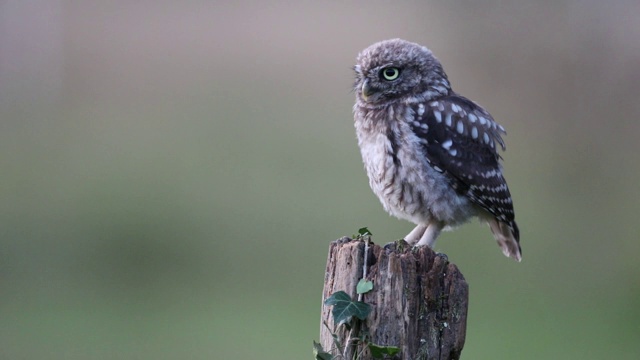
[(419, 298)]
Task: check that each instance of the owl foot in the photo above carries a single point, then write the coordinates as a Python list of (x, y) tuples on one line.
[(430, 235), (415, 234)]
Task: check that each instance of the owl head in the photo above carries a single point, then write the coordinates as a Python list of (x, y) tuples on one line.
[(398, 70)]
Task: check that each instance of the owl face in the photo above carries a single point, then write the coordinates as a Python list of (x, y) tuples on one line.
[(395, 70)]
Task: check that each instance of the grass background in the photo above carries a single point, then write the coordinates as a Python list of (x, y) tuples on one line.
[(173, 173)]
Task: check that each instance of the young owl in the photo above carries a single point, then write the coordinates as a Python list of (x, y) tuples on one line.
[(430, 154)]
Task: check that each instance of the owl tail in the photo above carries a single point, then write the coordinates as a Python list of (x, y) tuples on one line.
[(508, 238)]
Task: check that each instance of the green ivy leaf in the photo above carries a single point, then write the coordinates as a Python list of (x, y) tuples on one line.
[(337, 297), (364, 286), (344, 308), (364, 231), (379, 352), (319, 352)]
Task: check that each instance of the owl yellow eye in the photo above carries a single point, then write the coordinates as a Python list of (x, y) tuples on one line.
[(390, 73)]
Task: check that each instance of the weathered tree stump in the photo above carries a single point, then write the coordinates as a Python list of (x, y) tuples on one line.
[(419, 299)]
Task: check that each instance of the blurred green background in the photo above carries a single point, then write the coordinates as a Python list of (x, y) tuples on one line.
[(173, 173)]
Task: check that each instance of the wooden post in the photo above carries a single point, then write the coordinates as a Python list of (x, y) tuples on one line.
[(419, 298)]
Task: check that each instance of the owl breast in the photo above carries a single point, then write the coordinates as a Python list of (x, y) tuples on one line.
[(399, 173)]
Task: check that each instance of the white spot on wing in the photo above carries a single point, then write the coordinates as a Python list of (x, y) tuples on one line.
[(420, 109), (460, 127), (453, 152), (447, 119), (438, 116), (447, 144), (473, 118), (483, 121), (474, 132), (486, 139)]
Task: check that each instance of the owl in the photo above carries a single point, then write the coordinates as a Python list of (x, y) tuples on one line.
[(431, 155)]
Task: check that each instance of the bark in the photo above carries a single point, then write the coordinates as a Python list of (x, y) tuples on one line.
[(419, 299)]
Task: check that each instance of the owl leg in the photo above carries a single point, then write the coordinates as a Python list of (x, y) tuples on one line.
[(430, 235), (415, 234)]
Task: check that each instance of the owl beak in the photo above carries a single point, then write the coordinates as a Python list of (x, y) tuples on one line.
[(367, 90)]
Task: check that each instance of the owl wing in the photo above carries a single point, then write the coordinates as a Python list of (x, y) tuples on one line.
[(460, 139)]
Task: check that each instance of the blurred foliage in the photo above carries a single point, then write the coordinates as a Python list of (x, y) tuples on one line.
[(173, 173)]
